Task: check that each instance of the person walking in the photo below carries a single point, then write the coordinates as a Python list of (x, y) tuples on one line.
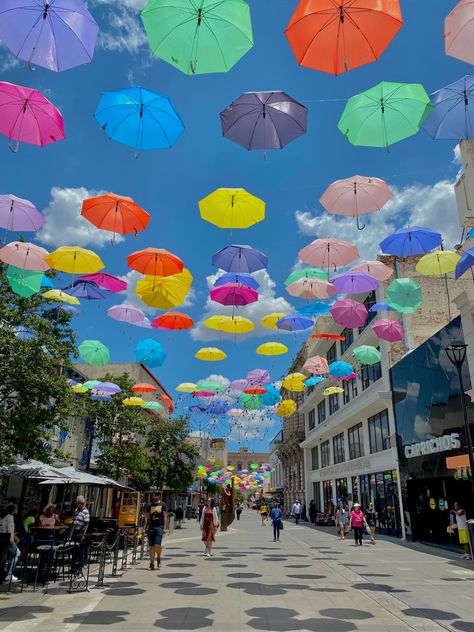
[(296, 511), (264, 514), (156, 525), (463, 534), (371, 518), (342, 515), (238, 510), (312, 512), (7, 526), (209, 523), (276, 516), (357, 523), (179, 515)]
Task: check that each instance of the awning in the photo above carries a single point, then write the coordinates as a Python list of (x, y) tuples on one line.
[(70, 475), (31, 469)]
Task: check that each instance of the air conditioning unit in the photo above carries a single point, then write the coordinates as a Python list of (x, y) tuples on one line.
[(464, 187)]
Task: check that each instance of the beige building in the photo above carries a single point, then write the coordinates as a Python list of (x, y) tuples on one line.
[(244, 458), (217, 453)]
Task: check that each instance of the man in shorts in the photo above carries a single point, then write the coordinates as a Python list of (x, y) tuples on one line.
[(156, 524)]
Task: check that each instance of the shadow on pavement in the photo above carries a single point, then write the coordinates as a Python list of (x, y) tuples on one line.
[(430, 613), (98, 617), (185, 619), (307, 576), (243, 575), (258, 588), (283, 620), (346, 613), (23, 613), (124, 592), (464, 626), (175, 575), (199, 591), (380, 588)]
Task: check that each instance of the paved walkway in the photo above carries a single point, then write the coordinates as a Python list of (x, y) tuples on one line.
[(308, 581)]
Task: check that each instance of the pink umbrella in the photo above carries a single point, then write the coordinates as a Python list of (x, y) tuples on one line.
[(316, 365), (25, 255), (236, 412), (459, 31), (234, 294), (388, 329), (257, 377), (349, 313), (354, 282), (376, 269), (332, 252), (204, 393), (126, 314), (356, 196), (18, 215), (28, 116), (106, 281), (311, 288)]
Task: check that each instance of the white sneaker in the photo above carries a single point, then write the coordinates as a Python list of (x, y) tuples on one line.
[(11, 578)]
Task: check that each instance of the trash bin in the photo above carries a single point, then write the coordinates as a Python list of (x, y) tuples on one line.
[(470, 530), (170, 523)]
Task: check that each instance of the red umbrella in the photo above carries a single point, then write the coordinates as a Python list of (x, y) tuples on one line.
[(173, 321), (328, 336), (167, 401), (115, 213), (155, 262), (143, 387), (259, 390)]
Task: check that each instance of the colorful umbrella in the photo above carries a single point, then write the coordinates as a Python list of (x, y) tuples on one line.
[(232, 208), (272, 395), (204, 393), (68, 309), (24, 255), (264, 120), (168, 402), (366, 354), (286, 408), (354, 282), (47, 282), (381, 306), (313, 381), (28, 116), (74, 260), (63, 297), (239, 258), (218, 407), (332, 390), (115, 213), (236, 412), (18, 215), (106, 281), (210, 385), (143, 387), (316, 365), (198, 38), (385, 114), (25, 283), (452, 117), (270, 320), (58, 35), (87, 290), (404, 295), (377, 269), (389, 330), (257, 377), (150, 352), (126, 314), (325, 336), (233, 294), (139, 118), (165, 292), (316, 308), (458, 32), (294, 384), (294, 322), (251, 402), (94, 352), (465, 262), (356, 196), (349, 313), (238, 385), (230, 324), (406, 242), (79, 388), (106, 387), (311, 288), (437, 263), (232, 277), (98, 397), (186, 387), (153, 406), (336, 35), (306, 273), (340, 369), (90, 384), (173, 321), (328, 253), (210, 354), (272, 348), (155, 262), (133, 401)]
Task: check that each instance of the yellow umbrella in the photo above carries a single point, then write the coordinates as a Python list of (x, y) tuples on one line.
[(133, 401), (270, 320), (230, 324), (62, 297), (286, 408), (79, 388), (186, 387), (75, 260), (165, 292), (211, 354), (294, 382), (232, 208), (272, 348), (332, 390), (437, 263)]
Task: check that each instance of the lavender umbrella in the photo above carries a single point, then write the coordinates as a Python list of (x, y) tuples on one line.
[(264, 120), (238, 385), (294, 322), (19, 215), (354, 282), (238, 258), (55, 34), (257, 377), (218, 407), (107, 387), (126, 314)]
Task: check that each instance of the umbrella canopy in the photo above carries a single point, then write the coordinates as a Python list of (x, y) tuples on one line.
[(24, 255), (233, 277), (99, 397), (236, 412), (90, 384), (316, 365), (106, 281), (143, 387), (94, 352), (153, 406), (239, 258), (306, 273), (294, 382), (210, 385), (257, 377), (28, 116), (327, 336), (389, 330), (335, 35), (218, 407), (230, 324), (352, 282), (79, 388), (133, 401), (311, 288), (458, 32), (316, 308), (155, 262), (377, 269), (165, 292), (186, 387), (126, 314), (404, 295), (251, 402), (74, 260), (115, 213), (340, 369), (173, 321), (58, 35), (332, 390), (294, 322), (453, 114), (210, 354), (198, 38), (437, 263), (87, 290), (47, 282), (270, 320), (264, 120), (328, 253), (150, 352), (234, 294), (366, 354), (465, 263), (385, 114), (24, 282), (139, 118), (286, 408), (349, 313), (406, 242), (272, 395), (272, 348), (106, 387), (381, 306), (168, 402), (313, 381), (238, 385), (18, 215), (63, 297), (232, 208)]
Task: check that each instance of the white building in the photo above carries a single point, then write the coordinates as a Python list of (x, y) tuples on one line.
[(276, 475)]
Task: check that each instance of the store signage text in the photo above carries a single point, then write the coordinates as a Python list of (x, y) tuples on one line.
[(431, 446)]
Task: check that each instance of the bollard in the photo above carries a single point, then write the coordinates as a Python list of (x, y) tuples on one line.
[(124, 550), (135, 546), (116, 555)]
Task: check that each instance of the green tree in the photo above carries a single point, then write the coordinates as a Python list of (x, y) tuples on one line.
[(36, 343)]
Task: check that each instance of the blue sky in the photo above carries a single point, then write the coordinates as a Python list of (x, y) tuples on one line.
[(169, 183)]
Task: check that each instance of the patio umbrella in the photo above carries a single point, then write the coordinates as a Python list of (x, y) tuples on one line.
[(316, 365), (115, 213), (306, 273), (165, 292), (198, 38), (352, 282), (366, 354), (377, 269), (126, 314), (453, 114), (87, 290), (186, 387), (55, 34), (94, 352), (210, 354), (24, 255), (25, 283), (385, 114), (18, 215), (106, 281), (330, 252), (239, 258), (233, 294), (234, 277), (404, 295), (335, 35), (150, 352), (458, 32), (139, 118), (63, 297), (406, 242), (173, 321), (465, 262), (340, 369), (311, 288), (74, 260), (232, 208), (270, 320), (389, 330), (286, 408), (294, 322), (264, 120), (155, 262), (271, 349), (349, 313)]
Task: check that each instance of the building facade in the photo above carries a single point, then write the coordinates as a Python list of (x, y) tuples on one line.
[(276, 474), (244, 458)]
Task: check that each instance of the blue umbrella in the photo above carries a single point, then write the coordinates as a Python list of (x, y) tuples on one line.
[(313, 380), (69, 309), (464, 263), (453, 114), (198, 409), (239, 258), (139, 118), (272, 396), (232, 277), (406, 242), (87, 290), (107, 387), (316, 308), (47, 282), (150, 352), (340, 369), (381, 306), (218, 407), (101, 398), (294, 322)]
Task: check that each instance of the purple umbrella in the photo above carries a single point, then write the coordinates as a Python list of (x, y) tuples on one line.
[(238, 258), (238, 385), (232, 277), (218, 407), (107, 387), (264, 120), (55, 34), (354, 282), (126, 314), (257, 377), (87, 290), (101, 398), (294, 322), (18, 215)]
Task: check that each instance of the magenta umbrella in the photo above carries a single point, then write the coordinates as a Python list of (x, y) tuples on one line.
[(25, 255), (354, 282), (316, 365), (388, 329), (234, 294), (325, 253), (106, 281), (311, 288), (28, 116), (376, 269), (126, 314), (18, 215), (349, 313)]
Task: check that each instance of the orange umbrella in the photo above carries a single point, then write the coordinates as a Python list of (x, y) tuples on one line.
[(173, 320), (115, 213), (167, 401), (143, 387), (338, 35), (155, 262), (259, 390), (328, 336)]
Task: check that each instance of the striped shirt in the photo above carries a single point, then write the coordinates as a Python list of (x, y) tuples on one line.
[(81, 519)]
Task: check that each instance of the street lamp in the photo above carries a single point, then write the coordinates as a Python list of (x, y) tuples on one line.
[(456, 353)]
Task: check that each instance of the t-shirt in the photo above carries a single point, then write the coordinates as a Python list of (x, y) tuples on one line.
[(263, 509), (28, 522), (276, 514), (461, 521), (48, 521), (7, 525), (357, 518), (157, 513), (81, 519)]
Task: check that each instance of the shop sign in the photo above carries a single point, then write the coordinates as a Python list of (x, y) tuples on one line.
[(432, 446), (432, 503)]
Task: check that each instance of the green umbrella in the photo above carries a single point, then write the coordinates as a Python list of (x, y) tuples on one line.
[(209, 385), (306, 273), (199, 36), (366, 354), (251, 402), (91, 383), (153, 406), (24, 282), (94, 352), (404, 295), (385, 114)]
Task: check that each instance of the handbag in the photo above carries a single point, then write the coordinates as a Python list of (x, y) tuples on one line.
[(281, 524), (367, 529)]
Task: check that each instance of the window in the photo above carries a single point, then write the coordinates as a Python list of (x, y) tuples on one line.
[(355, 489), (333, 403), (341, 489), (331, 355), (369, 301), (311, 419), (349, 335), (356, 442), (346, 397), (370, 374), (317, 496), (338, 448), (379, 433), (327, 492), (239, 465), (315, 458), (325, 454), (321, 411)]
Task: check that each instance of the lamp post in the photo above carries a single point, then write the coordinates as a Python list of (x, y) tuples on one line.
[(456, 353)]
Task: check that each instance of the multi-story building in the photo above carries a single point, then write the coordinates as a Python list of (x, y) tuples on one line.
[(217, 453), (276, 475), (244, 458)]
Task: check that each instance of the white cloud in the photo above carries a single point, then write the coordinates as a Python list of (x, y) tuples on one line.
[(124, 31), (268, 302), (8, 61), (190, 298), (131, 4), (65, 225), (219, 379)]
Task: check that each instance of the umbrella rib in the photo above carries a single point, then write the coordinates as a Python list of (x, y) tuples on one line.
[(255, 109), (271, 107), (72, 31)]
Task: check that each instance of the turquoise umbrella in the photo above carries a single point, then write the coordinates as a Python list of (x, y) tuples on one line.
[(306, 273), (25, 283), (94, 352), (366, 354), (404, 295)]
